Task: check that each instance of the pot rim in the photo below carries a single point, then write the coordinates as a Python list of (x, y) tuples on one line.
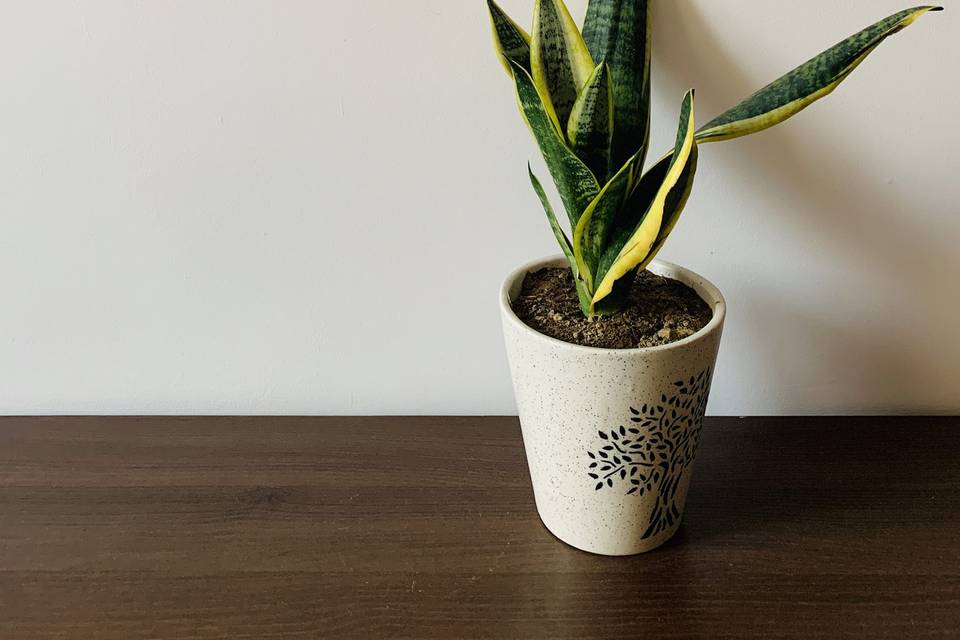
[(707, 291)]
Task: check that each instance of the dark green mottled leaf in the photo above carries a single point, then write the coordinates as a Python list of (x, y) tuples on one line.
[(591, 122), (592, 231), (574, 181), (564, 242), (627, 218), (559, 59), (618, 32), (513, 43), (807, 83), (649, 204)]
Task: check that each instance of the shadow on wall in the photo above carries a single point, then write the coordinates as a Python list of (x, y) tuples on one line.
[(835, 203), (845, 364)]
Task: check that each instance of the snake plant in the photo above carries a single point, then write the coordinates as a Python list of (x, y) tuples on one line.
[(586, 98)]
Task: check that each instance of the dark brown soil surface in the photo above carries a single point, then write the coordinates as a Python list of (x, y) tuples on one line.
[(660, 311)]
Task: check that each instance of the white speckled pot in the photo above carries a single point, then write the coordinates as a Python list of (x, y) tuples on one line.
[(611, 435)]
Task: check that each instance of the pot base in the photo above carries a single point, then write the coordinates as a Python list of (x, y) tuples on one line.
[(640, 548)]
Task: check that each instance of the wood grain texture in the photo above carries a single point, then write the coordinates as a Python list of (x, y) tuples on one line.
[(425, 528)]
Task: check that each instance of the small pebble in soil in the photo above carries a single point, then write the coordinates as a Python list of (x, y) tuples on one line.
[(659, 311)]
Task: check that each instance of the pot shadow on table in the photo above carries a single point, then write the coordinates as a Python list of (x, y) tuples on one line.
[(832, 201), (804, 474)]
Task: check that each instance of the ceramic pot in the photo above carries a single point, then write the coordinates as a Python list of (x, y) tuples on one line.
[(611, 435)]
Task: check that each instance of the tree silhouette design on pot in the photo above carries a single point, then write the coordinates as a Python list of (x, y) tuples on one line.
[(654, 455)]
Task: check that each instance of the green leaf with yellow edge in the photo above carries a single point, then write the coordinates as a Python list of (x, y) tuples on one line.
[(638, 246), (512, 42), (638, 205), (564, 242), (590, 128), (575, 182), (592, 231), (559, 59), (676, 202), (807, 83), (618, 32)]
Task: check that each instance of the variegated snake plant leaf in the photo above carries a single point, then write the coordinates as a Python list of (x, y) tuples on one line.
[(586, 98)]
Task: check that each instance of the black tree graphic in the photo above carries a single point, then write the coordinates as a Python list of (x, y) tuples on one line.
[(654, 454)]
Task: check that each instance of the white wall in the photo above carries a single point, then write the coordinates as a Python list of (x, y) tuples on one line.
[(307, 207)]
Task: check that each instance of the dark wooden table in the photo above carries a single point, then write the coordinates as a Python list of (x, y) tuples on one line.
[(425, 527)]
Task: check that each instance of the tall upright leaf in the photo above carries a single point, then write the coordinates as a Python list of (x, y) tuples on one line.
[(513, 43), (591, 233), (576, 184), (637, 248), (634, 210), (618, 32), (582, 292), (559, 59), (590, 128), (807, 83), (676, 202)]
